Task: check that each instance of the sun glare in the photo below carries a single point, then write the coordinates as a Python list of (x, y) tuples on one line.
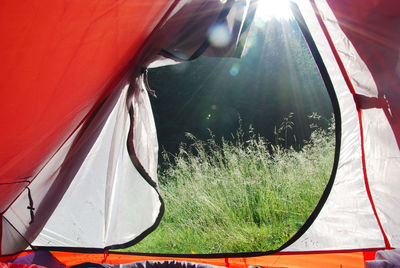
[(269, 9)]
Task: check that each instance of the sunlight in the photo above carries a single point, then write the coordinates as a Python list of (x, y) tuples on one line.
[(269, 9)]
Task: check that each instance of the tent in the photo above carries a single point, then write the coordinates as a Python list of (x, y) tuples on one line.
[(78, 130)]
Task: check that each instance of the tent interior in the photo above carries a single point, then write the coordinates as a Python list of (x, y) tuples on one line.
[(202, 133)]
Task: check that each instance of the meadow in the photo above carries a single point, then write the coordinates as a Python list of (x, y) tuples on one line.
[(240, 195)]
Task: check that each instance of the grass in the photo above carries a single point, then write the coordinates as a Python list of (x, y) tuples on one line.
[(241, 195)]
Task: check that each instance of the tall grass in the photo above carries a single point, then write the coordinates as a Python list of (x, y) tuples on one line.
[(241, 195)]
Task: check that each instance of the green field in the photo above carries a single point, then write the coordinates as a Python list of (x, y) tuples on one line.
[(242, 195)]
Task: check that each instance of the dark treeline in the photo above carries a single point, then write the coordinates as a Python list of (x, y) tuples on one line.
[(276, 76)]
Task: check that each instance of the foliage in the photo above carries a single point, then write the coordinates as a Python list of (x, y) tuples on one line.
[(240, 195)]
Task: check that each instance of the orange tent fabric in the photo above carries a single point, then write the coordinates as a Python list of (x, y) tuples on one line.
[(299, 259)]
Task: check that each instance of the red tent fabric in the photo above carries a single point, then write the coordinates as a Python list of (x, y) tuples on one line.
[(59, 60)]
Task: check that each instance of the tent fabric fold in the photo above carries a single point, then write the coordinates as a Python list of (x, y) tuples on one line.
[(115, 203)]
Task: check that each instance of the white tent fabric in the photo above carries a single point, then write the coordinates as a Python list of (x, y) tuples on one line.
[(108, 202), (144, 130), (382, 154), (18, 225), (347, 220)]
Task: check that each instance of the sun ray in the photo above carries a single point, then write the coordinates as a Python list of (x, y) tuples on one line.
[(269, 9)]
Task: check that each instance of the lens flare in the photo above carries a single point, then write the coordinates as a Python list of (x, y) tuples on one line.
[(234, 71), (219, 35)]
